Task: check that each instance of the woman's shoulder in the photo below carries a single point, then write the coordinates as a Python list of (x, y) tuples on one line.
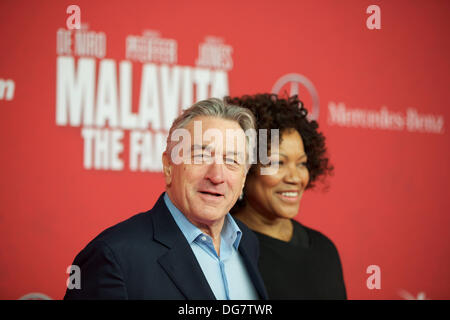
[(316, 239)]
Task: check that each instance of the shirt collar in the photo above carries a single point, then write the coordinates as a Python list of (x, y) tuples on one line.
[(231, 232)]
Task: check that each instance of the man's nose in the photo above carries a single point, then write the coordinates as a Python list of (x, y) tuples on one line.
[(215, 173)]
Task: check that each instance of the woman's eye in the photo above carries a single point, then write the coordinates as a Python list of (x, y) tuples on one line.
[(302, 164), (274, 163)]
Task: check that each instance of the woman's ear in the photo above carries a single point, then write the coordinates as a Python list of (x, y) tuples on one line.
[(167, 168)]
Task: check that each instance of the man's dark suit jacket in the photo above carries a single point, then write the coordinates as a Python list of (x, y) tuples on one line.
[(148, 257)]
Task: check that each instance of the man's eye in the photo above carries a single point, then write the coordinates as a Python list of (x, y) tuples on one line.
[(231, 161), (200, 158), (200, 155)]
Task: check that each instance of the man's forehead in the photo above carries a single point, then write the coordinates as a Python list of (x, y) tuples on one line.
[(213, 129)]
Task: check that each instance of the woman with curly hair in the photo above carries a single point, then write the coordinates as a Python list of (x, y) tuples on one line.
[(296, 262)]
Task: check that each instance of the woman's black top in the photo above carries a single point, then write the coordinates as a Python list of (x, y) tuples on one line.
[(306, 267)]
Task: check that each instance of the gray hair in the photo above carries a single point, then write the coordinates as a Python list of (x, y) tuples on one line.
[(214, 107)]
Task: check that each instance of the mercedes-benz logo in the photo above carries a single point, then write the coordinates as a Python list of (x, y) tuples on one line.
[(35, 296), (296, 81)]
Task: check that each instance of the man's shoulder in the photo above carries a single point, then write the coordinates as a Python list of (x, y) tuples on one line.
[(134, 232), (135, 227), (127, 236)]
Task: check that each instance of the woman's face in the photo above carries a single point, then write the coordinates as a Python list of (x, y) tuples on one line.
[(278, 195)]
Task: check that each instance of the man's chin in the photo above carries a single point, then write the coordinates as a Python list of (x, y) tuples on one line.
[(210, 215)]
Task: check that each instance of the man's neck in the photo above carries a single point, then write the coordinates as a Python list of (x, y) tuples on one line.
[(211, 228)]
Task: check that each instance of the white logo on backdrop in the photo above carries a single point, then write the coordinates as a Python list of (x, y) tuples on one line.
[(35, 296), (299, 85), (7, 89), (408, 296), (411, 120)]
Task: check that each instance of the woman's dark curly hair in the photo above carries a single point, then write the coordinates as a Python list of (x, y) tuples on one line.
[(274, 112)]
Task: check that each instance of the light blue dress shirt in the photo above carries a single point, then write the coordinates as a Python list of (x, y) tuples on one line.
[(226, 274)]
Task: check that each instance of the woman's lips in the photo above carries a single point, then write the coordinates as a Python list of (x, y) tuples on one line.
[(289, 196)]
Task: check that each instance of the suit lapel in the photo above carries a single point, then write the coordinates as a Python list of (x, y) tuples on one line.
[(179, 262), (182, 267), (247, 251)]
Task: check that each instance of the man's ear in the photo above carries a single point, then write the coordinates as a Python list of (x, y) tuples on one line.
[(245, 179), (167, 168)]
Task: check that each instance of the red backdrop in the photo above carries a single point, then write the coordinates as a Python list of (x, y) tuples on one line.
[(379, 95)]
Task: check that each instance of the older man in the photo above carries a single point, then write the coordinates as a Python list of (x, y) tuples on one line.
[(187, 246)]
